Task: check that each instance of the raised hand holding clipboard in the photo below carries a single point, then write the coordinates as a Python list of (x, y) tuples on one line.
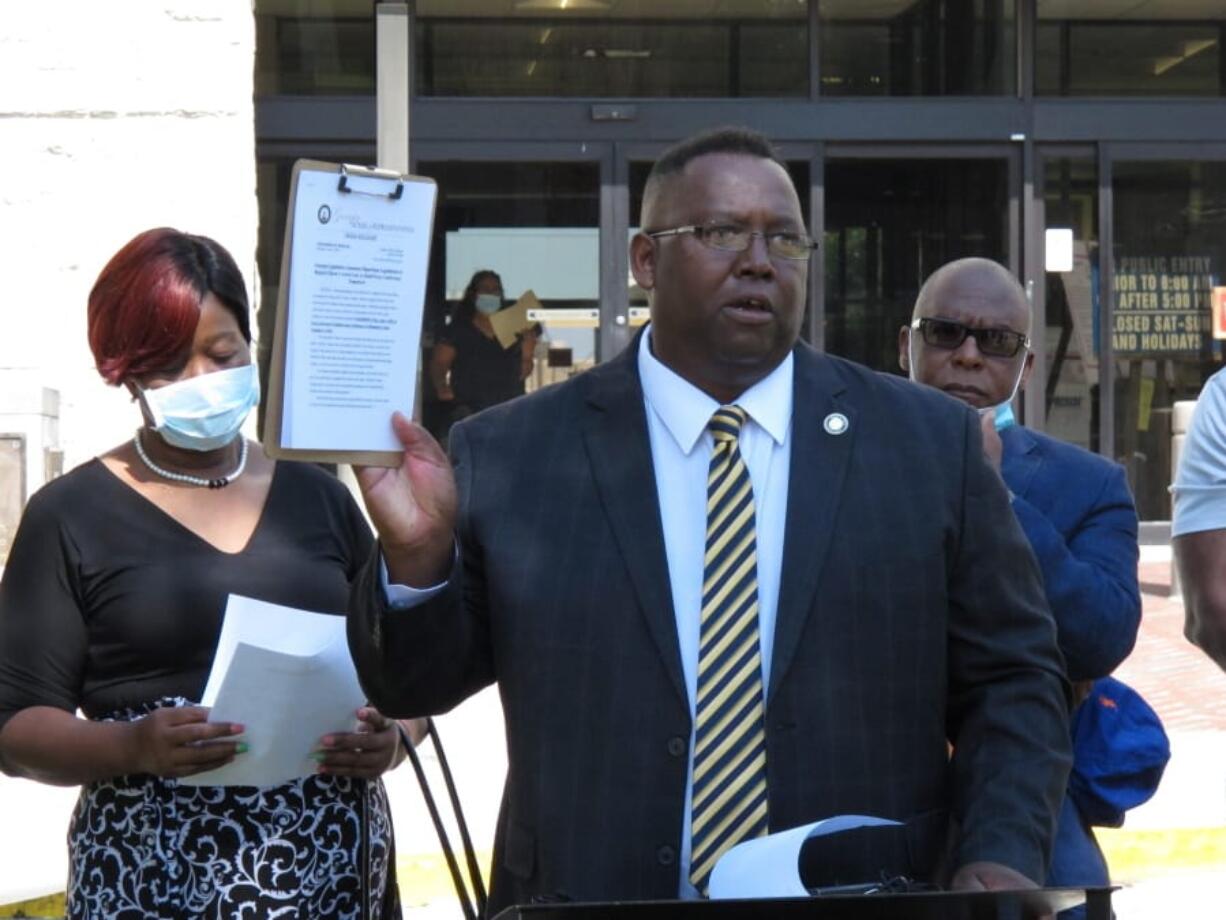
[(349, 313)]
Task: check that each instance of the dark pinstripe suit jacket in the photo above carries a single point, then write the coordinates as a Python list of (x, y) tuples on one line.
[(910, 611)]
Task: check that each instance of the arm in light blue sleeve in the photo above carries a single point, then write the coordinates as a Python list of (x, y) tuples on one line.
[(404, 597), (1198, 525), (1199, 490)]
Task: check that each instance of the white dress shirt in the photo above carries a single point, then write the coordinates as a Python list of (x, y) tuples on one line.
[(681, 445)]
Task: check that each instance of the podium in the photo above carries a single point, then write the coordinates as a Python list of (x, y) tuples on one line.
[(936, 905)]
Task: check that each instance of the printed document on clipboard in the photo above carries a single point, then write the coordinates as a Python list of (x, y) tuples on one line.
[(349, 313)]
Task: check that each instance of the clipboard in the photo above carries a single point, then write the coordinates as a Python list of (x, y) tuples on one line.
[(347, 336)]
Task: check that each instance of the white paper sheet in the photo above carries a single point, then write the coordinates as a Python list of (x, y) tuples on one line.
[(286, 675), (356, 290), (769, 867)]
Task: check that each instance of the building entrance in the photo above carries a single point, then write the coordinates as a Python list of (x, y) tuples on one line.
[(525, 230), (1168, 257), (892, 217)]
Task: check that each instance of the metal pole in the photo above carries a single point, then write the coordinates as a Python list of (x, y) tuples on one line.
[(392, 89), (392, 94)]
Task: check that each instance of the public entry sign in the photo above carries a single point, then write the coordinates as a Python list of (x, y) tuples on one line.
[(1162, 304)]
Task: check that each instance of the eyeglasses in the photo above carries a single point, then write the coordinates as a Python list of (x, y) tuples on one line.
[(947, 334), (733, 238)]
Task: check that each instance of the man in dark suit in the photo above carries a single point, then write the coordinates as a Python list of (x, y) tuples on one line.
[(724, 583), (969, 336)]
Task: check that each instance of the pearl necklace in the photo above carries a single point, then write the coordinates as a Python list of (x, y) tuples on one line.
[(219, 482)]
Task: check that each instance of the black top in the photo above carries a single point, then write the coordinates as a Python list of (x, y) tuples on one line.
[(107, 601), (483, 373)]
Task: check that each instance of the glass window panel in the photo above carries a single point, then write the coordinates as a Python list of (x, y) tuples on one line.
[(773, 59), (1070, 201), (613, 48), (1145, 48), (314, 47), (1170, 252), (889, 225), (918, 48), (537, 225)]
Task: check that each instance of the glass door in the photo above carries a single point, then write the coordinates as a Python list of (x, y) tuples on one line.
[(1068, 299), (522, 223), (552, 220), (1168, 249), (893, 216)]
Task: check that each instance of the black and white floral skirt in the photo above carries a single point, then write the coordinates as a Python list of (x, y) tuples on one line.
[(141, 847)]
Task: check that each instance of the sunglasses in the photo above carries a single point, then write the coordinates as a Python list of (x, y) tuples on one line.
[(947, 334)]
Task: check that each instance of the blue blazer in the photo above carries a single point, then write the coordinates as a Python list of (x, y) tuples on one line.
[(1077, 512)]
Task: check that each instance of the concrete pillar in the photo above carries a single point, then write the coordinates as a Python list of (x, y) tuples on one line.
[(114, 118)]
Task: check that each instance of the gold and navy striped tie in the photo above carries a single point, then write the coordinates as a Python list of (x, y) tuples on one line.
[(729, 803)]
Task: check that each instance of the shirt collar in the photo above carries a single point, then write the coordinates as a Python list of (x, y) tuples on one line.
[(686, 410)]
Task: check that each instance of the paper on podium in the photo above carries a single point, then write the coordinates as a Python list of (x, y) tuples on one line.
[(769, 867), (286, 675), (513, 320)]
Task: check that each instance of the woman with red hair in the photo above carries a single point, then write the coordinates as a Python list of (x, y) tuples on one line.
[(112, 602)]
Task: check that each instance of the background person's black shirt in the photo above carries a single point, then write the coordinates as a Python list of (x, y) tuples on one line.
[(483, 373)]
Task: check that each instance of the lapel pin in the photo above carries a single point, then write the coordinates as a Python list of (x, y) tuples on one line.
[(835, 423)]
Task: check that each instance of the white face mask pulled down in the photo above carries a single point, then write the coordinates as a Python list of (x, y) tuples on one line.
[(1002, 412), (205, 412)]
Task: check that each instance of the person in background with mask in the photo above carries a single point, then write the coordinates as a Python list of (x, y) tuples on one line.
[(969, 336), (112, 601), (469, 367)]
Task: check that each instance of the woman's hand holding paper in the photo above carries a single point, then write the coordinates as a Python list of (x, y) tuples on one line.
[(370, 750), (179, 741)]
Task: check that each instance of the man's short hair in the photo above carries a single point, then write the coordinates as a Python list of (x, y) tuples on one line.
[(730, 139)]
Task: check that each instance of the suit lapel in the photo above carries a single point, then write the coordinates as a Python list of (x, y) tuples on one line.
[(619, 450), (1021, 459), (818, 466)]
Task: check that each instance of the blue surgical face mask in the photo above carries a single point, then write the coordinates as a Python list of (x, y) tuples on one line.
[(204, 412), (1002, 413), (1002, 416), (488, 303)]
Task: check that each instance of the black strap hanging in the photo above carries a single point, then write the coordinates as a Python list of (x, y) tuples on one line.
[(470, 855)]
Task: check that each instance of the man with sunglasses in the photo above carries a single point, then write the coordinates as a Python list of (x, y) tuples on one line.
[(969, 336), (725, 584)]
